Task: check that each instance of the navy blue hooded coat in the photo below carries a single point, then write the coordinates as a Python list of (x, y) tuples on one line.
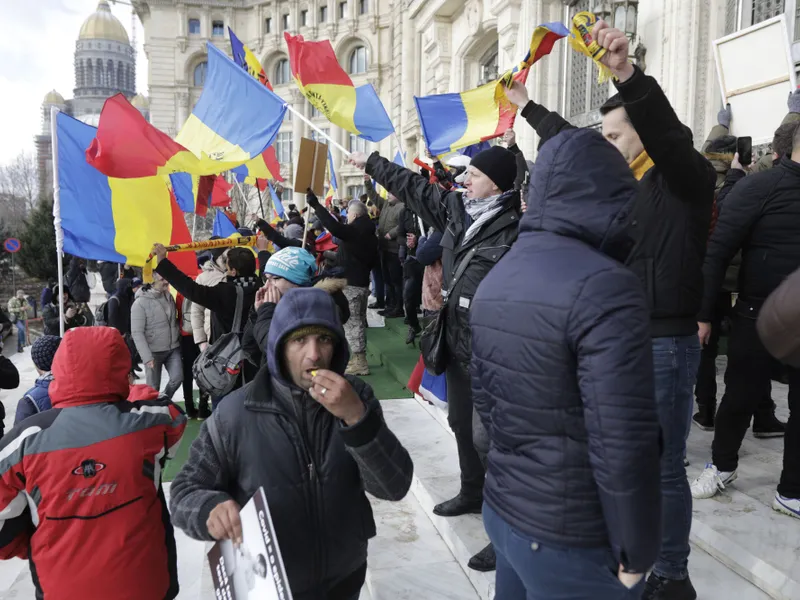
[(562, 365)]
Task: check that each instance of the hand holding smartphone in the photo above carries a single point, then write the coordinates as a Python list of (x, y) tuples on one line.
[(744, 147)]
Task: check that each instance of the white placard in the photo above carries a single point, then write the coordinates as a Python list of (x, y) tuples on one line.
[(756, 74)]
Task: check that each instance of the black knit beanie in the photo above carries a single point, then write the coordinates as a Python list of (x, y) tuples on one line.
[(43, 351), (499, 165)]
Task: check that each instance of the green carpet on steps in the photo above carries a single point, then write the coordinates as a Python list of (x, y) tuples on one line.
[(391, 362)]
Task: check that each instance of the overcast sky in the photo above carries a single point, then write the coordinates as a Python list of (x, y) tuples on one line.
[(37, 50)]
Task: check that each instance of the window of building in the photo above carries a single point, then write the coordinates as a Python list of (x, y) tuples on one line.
[(303, 18), (200, 74), (357, 144), (488, 67), (766, 9), (342, 10), (323, 14), (740, 14), (315, 114), (268, 25), (283, 147), (358, 60), (217, 28), (318, 137), (584, 95), (355, 191), (285, 22), (194, 26), (363, 7), (282, 74), (286, 197)]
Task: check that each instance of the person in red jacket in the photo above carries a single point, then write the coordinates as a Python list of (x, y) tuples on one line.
[(80, 484)]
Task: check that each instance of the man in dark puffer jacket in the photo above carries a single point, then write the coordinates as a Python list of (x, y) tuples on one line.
[(562, 378)]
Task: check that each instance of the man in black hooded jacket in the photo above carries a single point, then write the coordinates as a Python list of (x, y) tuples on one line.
[(314, 439)]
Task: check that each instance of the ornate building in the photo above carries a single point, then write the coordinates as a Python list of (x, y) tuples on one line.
[(105, 64), (408, 48)]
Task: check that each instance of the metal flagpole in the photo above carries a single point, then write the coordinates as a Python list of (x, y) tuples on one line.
[(260, 202), (317, 129), (57, 217)]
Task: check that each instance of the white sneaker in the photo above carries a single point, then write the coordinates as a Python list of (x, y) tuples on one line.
[(711, 481), (787, 506)]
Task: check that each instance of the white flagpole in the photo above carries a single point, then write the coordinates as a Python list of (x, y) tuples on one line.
[(317, 129), (57, 217)]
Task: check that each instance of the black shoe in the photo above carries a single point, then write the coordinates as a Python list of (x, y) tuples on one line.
[(204, 412), (375, 305), (412, 334), (396, 313), (458, 506), (704, 420), (191, 412), (661, 588), (768, 426), (484, 561)]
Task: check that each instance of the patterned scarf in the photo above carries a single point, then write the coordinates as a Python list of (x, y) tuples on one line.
[(641, 165), (482, 211)]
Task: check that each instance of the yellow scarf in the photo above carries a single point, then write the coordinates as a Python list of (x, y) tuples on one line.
[(641, 165)]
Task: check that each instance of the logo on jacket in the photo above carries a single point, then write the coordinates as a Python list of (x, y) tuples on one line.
[(89, 468)]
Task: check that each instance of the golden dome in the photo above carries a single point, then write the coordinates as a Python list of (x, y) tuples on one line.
[(141, 102), (53, 97), (102, 25)]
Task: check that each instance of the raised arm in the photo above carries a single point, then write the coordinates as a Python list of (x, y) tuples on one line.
[(275, 237), (545, 123), (338, 229), (213, 298), (414, 190)]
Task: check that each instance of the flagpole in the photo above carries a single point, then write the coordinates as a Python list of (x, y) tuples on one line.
[(317, 129), (260, 202), (57, 217)]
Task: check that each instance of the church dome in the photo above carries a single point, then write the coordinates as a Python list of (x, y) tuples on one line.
[(53, 97), (140, 101), (102, 25)]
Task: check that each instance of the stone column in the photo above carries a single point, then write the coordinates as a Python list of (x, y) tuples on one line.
[(182, 104)]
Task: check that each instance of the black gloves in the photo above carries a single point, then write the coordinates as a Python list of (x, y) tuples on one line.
[(311, 198)]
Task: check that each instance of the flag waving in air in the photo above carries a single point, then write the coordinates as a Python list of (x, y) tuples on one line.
[(245, 58), (106, 218), (542, 41), (320, 77), (236, 118)]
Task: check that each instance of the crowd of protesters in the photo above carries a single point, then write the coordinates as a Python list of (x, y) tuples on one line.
[(574, 306)]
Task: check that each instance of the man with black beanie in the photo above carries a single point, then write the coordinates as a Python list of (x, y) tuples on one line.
[(479, 227)]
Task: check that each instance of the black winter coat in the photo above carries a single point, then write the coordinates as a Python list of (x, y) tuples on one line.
[(358, 246), (761, 216), (562, 371), (445, 212), (119, 307), (672, 215), (109, 273), (314, 470), (76, 281)]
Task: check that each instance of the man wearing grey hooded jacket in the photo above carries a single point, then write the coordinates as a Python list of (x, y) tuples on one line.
[(154, 327)]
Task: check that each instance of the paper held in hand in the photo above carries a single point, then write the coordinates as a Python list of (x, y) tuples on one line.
[(255, 569), (311, 167)]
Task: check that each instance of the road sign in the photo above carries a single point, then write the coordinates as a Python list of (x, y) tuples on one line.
[(12, 245)]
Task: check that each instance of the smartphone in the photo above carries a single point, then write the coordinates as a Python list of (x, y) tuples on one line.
[(744, 146)]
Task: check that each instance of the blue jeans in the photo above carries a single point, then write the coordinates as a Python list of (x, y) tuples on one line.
[(528, 569), (21, 338), (675, 362)]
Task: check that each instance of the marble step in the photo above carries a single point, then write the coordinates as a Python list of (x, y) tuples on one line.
[(424, 431)]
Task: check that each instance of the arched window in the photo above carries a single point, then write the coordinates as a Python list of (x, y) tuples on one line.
[(217, 28), (200, 74), (488, 67), (112, 81), (120, 73), (129, 78), (282, 74), (358, 60), (194, 26), (98, 73), (89, 80)]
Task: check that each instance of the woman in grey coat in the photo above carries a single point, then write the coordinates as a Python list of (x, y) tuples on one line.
[(154, 327)]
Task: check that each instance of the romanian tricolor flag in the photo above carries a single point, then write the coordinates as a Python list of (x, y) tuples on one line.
[(453, 121), (244, 57), (263, 167), (106, 218), (193, 192), (235, 120), (127, 146), (223, 226), (277, 206), (320, 77), (542, 41)]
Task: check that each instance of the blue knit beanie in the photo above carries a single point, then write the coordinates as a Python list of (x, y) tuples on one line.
[(293, 264)]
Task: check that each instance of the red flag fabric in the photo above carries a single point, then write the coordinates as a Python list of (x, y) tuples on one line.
[(220, 197)]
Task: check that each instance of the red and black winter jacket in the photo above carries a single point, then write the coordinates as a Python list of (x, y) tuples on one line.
[(80, 484)]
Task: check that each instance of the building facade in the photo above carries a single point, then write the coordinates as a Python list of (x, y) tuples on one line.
[(408, 48), (105, 65)]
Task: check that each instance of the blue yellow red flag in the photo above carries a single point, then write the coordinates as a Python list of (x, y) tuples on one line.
[(245, 58), (332, 172), (235, 119), (264, 166), (320, 77), (223, 226), (193, 192), (543, 39), (113, 219), (277, 205)]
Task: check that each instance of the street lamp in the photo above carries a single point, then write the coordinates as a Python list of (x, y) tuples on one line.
[(623, 15)]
